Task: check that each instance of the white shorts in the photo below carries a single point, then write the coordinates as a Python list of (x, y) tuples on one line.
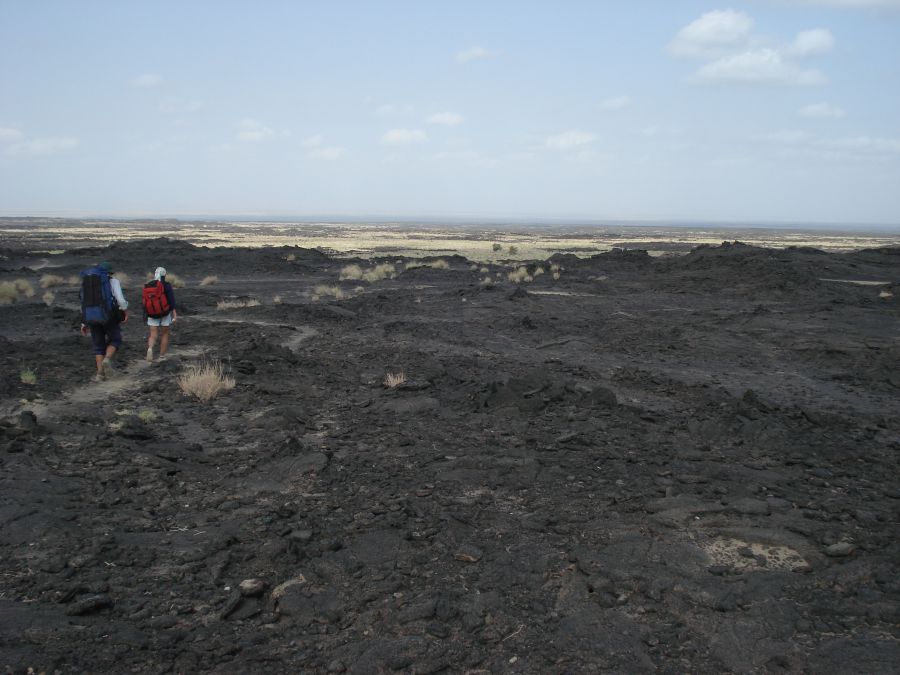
[(163, 321)]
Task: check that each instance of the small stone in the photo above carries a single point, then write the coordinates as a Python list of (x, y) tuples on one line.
[(468, 553), (252, 587), (840, 550), (336, 666)]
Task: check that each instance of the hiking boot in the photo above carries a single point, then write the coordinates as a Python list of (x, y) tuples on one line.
[(98, 377), (150, 354)]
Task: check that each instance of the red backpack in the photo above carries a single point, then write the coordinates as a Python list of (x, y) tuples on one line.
[(156, 304)]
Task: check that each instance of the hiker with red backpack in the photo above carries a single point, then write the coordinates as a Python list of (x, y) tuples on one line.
[(103, 310), (159, 310)]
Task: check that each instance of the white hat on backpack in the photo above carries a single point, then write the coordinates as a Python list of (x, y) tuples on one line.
[(159, 273)]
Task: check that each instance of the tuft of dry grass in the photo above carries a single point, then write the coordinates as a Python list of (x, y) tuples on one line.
[(440, 265), (48, 298), (379, 272), (74, 280), (209, 280), (290, 257), (538, 271), (556, 276), (351, 273), (124, 279), (52, 280), (237, 304), (323, 291), (205, 381), (513, 250), (28, 376), (485, 270), (146, 416), (394, 380), (24, 288), (519, 275), (15, 291), (276, 300), (487, 281)]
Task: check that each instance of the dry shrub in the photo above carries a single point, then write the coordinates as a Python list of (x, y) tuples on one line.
[(124, 279), (290, 257), (28, 376), (379, 272), (538, 271), (24, 288), (74, 280), (485, 270), (323, 291), (496, 247), (555, 267), (48, 298), (52, 280), (513, 250), (209, 280), (487, 281), (237, 304), (146, 416), (276, 300), (8, 293), (394, 380), (519, 275), (205, 381), (556, 276), (440, 265), (14, 291), (351, 273), (885, 294)]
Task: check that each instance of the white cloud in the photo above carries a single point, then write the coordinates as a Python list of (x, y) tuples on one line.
[(758, 66), (328, 153), (41, 147), (9, 135), (812, 42), (841, 148), (449, 119), (252, 131), (474, 54), (403, 137), (568, 140), (711, 33), (314, 141), (147, 80), (821, 111), (614, 103), (788, 137)]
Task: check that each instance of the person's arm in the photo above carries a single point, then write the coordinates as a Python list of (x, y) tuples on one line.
[(116, 288)]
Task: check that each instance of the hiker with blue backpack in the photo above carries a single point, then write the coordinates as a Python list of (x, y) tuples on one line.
[(103, 310), (158, 300)]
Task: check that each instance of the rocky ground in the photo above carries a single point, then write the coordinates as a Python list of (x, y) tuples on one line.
[(647, 465)]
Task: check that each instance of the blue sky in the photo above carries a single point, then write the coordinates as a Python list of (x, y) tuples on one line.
[(753, 111)]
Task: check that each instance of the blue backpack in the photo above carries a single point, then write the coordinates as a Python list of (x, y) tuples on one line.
[(98, 305)]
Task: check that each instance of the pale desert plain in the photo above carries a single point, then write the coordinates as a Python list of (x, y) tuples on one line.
[(635, 450)]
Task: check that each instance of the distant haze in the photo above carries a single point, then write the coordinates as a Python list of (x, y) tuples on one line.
[(746, 112)]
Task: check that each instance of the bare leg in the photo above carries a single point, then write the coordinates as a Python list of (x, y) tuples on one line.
[(99, 359), (164, 341), (151, 341)]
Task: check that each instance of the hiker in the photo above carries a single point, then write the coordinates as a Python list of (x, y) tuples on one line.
[(103, 310), (159, 310)]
